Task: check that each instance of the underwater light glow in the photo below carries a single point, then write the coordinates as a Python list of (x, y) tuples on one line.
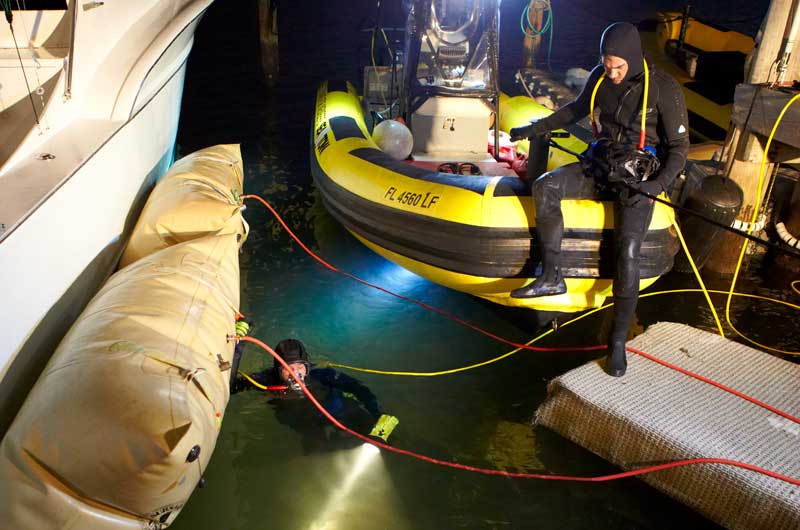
[(364, 457), (396, 278)]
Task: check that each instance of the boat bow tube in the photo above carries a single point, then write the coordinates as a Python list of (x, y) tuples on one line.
[(475, 234)]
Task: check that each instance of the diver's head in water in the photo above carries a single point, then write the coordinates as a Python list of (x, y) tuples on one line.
[(294, 353), (621, 52)]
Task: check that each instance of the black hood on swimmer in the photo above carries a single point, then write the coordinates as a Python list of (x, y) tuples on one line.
[(621, 39)]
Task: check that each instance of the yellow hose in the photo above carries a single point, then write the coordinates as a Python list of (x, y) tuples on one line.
[(643, 130), (644, 103), (750, 230), (255, 383), (697, 273), (591, 103), (548, 332)]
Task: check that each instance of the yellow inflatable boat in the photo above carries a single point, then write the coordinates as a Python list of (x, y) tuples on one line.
[(474, 233)]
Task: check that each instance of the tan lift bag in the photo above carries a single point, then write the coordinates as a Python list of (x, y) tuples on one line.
[(122, 422), (198, 196)]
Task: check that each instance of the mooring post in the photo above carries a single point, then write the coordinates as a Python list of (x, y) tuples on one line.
[(747, 147)]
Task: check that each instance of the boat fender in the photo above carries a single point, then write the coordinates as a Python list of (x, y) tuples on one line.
[(394, 139)]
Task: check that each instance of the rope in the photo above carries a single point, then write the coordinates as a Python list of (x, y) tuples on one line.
[(541, 476), (7, 7), (595, 132)]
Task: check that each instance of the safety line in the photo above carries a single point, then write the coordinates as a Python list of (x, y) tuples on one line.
[(408, 298), (541, 476)]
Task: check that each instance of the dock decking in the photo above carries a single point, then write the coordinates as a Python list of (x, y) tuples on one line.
[(655, 414)]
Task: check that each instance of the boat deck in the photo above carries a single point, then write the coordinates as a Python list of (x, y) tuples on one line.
[(27, 185), (655, 414)]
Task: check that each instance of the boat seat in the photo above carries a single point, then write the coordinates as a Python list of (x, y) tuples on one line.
[(488, 168)]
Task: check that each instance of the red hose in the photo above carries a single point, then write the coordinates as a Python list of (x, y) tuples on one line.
[(716, 384), (414, 300), (602, 478), (511, 343)]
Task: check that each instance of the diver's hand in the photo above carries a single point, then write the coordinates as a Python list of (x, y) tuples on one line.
[(526, 131), (651, 187)]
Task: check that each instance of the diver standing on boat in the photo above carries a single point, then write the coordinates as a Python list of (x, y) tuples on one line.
[(619, 147)]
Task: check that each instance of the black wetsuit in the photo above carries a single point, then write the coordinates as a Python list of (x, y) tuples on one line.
[(620, 109), (344, 397)]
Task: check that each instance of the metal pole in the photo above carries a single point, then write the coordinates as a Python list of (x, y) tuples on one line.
[(71, 56)]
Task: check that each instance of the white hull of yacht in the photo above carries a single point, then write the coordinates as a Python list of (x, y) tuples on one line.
[(59, 252)]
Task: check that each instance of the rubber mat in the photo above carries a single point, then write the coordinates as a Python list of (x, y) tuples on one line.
[(655, 414)]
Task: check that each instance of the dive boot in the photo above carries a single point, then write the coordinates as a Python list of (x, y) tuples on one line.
[(544, 285), (616, 363)]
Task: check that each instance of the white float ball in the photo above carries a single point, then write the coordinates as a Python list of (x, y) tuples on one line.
[(393, 138)]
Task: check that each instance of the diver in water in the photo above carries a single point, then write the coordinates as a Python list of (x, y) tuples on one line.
[(344, 397), (615, 163)]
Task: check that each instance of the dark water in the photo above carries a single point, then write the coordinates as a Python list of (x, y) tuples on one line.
[(261, 475)]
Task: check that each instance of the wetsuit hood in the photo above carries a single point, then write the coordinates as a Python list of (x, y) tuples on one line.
[(621, 39), (291, 351)]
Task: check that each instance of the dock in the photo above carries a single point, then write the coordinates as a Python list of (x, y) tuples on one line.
[(655, 414)]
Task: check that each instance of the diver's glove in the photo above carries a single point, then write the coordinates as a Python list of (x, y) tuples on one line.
[(242, 328), (651, 187), (384, 427), (536, 127)]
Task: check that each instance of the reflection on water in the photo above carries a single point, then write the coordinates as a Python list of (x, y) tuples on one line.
[(260, 476)]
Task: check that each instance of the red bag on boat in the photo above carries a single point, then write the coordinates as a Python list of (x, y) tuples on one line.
[(520, 166), (508, 149)]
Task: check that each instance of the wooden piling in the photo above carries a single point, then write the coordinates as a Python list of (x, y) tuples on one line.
[(531, 44), (746, 147)]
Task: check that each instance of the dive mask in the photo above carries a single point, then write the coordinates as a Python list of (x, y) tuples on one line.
[(634, 167), (294, 386)]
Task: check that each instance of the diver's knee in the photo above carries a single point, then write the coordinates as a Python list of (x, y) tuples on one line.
[(628, 249), (546, 188)]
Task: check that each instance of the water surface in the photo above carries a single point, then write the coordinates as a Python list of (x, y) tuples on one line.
[(263, 474)]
